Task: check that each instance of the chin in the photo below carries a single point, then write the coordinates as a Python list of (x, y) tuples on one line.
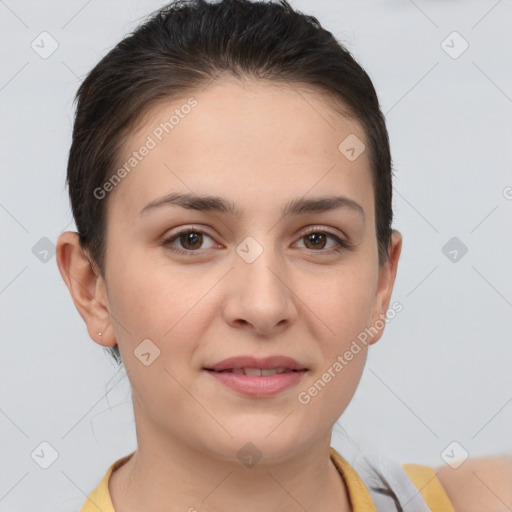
[(255, 445)]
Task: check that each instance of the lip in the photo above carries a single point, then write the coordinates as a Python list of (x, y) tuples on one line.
[(258, 386), (253, 362)]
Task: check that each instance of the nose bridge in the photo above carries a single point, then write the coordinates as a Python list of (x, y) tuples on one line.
[(259, 293), (258, 260)]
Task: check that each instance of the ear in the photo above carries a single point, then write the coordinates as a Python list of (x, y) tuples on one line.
[(86, 286), (387, 275)]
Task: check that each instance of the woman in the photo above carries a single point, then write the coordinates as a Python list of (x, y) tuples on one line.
[(230, 179)]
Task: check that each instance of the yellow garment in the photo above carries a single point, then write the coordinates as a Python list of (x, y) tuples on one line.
[(99, 500), (423, 477)]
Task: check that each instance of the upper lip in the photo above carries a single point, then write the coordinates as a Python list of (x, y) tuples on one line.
[(253, 362)]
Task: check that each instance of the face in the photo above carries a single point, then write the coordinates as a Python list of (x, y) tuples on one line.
[(265, 269)]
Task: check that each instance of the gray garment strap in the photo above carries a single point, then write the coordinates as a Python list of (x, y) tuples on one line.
[(394, 479)]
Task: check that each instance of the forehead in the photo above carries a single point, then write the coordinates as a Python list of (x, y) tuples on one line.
[(258, 141)]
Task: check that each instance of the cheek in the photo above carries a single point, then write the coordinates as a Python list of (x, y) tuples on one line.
[(171, 308), (343, 308), (346, 307), (143, 294), (339, 305), (325, 397)]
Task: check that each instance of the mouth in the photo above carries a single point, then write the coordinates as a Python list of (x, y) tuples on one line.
[(256, 372), (254, 366), (257, 382), (258, 377)]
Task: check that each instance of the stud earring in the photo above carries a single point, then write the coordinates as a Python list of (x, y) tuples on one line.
[(99, 334)]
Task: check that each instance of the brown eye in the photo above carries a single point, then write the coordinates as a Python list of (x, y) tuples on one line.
[(191, 240), (187, 241), (316, 239)]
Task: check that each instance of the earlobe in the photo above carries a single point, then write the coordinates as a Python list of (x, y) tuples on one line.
[(387, 275), (86, 288)]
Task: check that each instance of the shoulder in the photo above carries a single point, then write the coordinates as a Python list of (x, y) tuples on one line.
[(430, 487), (483, 483)]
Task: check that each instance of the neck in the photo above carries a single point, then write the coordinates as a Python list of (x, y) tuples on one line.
[(167, 474)]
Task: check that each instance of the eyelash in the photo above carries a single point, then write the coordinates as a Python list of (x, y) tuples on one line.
[(343, 245)]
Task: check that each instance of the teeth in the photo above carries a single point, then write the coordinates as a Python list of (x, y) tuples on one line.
[(273, 371), (253, 372), (256, 372)]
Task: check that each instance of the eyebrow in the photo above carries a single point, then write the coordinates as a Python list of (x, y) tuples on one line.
[(220, 205)]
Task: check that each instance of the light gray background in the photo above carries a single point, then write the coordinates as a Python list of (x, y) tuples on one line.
[(441, 372)]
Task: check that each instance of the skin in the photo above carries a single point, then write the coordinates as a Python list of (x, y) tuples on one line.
[(260, 146), (291, 300), (483, 483)]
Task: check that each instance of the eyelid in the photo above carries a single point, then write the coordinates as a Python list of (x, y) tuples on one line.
[(344, 244), (324, 229), (167, 240)]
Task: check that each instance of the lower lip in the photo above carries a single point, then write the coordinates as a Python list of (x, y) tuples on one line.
[(263, 386)]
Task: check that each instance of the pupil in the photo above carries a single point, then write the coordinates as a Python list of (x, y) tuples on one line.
[(192, 238), (315, 238)]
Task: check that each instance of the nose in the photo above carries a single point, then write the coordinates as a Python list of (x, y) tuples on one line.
[(259, 296)]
